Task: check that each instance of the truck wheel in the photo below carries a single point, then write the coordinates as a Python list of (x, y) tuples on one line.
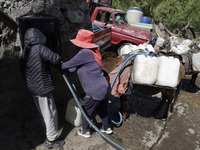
[(119, 50)]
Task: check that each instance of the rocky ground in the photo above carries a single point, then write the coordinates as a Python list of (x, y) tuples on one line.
[(141, 131)]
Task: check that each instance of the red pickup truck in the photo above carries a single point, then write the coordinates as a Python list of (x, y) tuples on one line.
[(122, 32)]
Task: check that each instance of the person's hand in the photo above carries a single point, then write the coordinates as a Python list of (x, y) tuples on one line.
[(59, 66), (63, 70)]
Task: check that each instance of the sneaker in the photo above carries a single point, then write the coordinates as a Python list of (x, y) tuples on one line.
[(53, 144), (84, 134), (107, 131)]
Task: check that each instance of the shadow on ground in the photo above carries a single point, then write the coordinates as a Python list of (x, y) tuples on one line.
[(190, 89)]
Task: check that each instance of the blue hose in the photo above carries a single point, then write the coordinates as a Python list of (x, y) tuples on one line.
[(72, 88), (74, 93), (123, 66), (120, 115)]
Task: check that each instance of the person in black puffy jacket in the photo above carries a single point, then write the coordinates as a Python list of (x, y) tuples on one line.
[(35, 67)]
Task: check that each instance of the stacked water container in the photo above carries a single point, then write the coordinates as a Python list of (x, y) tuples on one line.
[(196, 62), (145, 70), (130, 48), (134, 15), (168, 71), (180, 48), (135, 18), (160, 71), (146, 20)]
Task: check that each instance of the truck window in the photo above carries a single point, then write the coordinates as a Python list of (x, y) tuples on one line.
[(105, 17), (120, 19), (99, 14), (108, 18)]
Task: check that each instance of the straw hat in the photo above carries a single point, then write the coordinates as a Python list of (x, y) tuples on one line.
[(84, 39)]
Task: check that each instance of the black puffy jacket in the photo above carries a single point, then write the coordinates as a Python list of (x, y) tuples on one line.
[(35, 63)]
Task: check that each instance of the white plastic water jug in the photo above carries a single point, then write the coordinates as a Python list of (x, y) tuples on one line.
[(180, 49), (146, 47), (174, 41), (145, 70), (199, 45), (150, 48), (134, 48), (73, 113), (160, 41), (187, 42), (196, 62), (142, 46), (125, 50), (168, 71), (134, 16)]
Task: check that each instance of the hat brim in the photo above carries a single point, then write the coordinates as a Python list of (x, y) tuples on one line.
[(84, 44)]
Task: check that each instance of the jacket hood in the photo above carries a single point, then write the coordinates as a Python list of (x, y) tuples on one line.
[(34, 36)]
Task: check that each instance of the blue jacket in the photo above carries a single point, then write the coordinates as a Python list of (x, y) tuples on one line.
[(35, 63)]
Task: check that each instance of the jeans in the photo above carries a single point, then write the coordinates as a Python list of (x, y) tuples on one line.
[(92, 108)]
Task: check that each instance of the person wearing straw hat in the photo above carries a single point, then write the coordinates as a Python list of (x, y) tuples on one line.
[(88, 64)]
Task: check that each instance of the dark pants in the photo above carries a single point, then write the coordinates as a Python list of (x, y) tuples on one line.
[(92, 108)]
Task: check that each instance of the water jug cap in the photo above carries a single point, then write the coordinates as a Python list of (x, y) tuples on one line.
[(151, 53)]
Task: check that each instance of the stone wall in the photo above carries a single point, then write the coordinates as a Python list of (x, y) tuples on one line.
[(15, 100)]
